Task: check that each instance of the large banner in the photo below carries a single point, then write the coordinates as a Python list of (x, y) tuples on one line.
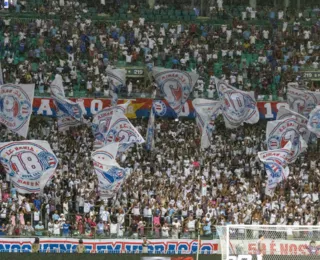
[(161, 246), (140, 107), (30, 164), (16, 107)]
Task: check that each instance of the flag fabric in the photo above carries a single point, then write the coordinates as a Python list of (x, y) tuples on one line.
[(276, 162), (150, 130), (30, 164), (56, 86), (238, 106), (122, 131), (301, 120), (302, 101), (314, 121), (280, 132), (176, 85), (101, 122), (117, 80), (206, 113), (16, 107), (1, 75), (110, 175)]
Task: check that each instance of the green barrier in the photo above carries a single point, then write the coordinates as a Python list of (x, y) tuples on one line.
[(44, 256)]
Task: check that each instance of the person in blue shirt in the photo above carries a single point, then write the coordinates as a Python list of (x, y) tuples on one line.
[(66, 229), (13, 192), (55, 216), (37, 203)]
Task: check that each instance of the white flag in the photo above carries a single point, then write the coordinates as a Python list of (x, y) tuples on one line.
[(1, 75), (30, 164), (117, 80), (302, 101), (238, 106), (206, 113), (16, 107), (176, 85), (314, 121), (301, 120), (280, 132)]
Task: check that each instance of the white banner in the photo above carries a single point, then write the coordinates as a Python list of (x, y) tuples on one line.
[(16, 107), (30, 164), (101, 122), (314, 121), (176, 85), (302, 101), (238, 106), (206, 113), (301, 120), (280, 132)]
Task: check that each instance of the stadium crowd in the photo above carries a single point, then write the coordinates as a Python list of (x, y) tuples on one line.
[(260, 50), (179, 189)]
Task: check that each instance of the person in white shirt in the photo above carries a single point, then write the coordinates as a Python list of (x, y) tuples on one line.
[(129, 88)]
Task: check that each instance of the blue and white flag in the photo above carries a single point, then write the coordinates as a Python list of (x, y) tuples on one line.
[(314, 121), (150, 130), (176, 85), (122, 131), (302, 101), (30, 164), (276, 162), (65, 121), (206, 113), (301, 120), (101, 122), (110, 174), (117, 80), (238, 106), (16, 107), (280, 132)]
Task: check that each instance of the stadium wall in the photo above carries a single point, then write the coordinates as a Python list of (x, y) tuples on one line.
[(140, 107)]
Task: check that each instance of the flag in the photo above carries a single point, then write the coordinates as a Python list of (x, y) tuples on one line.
[(117, 80), (56, 86), (280, 132), (16, 107), (301, 120), (238, 106), (276, 162), (314, 121), (150, 130), (110, 175), (206, 113), (121, 130), (30, 164), (302, 101), (176, 85), (101, 122)]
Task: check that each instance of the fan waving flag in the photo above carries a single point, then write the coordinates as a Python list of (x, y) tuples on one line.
[(16, 107), (238, 106), (176, 85), (276, 162), (206, 113), (314, 121), (302, 101), (301, 120), (117, 80), (30, 164), (101, 122), (110, 175), (280, 132), (150, 130)]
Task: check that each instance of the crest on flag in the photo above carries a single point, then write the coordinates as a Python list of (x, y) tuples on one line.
[(314, 121), (176, 85), (30, 164), (206, 113), (238, 106), (16, 107), (302, 101), (280, 132)]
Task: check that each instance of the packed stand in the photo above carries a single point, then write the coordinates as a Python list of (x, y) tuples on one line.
[(179, 189), (260, 50)]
